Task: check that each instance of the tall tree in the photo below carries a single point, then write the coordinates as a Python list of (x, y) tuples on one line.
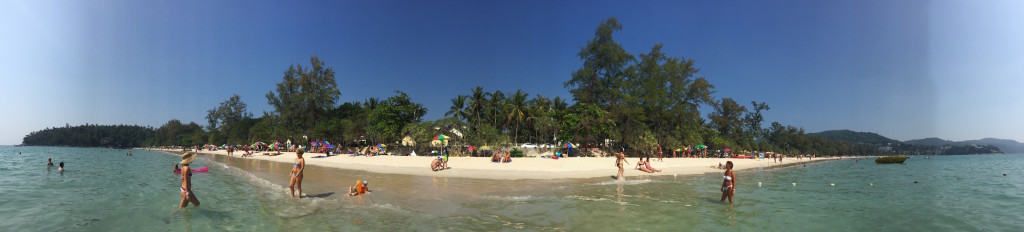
[(477, 104), (604, 64), (222, 118), (389, 118), (517, 111), (305, 95), (727, 119), (458, 108)]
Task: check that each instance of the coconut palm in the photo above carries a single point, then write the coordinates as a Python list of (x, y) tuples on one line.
[(477, 102), (497, 105), (458, 108), (517, 110)]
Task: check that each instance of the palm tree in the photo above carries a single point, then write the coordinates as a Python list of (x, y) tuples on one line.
[(458, 108), (496, 105), (517, 110), (477, 101)]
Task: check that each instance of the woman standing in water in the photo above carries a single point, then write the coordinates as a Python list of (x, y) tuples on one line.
[(296, 180), (728, 182), (186, 180)]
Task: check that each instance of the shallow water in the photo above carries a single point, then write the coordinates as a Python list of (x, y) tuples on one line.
[(104, 190)]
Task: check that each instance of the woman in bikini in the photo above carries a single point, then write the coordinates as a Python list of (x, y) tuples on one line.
[(296, 174), (186, 181), (728, 182), (647, 164)]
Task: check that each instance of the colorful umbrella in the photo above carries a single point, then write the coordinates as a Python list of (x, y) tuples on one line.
[(486, 148), (314, 144), (700, 146), (726, 149), (569, 145), (440, 137)]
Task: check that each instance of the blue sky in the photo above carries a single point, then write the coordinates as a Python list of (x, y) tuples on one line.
[(904, 69)]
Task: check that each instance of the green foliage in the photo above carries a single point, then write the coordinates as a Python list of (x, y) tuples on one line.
[(305, 95), (91, 136), (515, 152), (389, 117)]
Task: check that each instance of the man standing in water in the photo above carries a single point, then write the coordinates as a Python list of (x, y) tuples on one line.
[(619, 159)]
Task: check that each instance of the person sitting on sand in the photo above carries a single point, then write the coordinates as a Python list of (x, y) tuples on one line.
[(496, 158), (640, 165), (359, 188), (508, 158), (647, 164)]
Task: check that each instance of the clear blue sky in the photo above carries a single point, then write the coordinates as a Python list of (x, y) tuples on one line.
[(904, 69)]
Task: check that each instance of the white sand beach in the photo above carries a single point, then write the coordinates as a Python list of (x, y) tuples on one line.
[(519, 168)]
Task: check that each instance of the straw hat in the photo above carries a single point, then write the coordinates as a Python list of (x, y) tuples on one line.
[(187, 158)]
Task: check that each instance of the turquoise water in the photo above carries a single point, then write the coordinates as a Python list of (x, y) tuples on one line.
[(103, 190)]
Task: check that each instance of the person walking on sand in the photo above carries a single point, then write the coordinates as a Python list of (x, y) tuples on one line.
[(728, 182), (186, 181), (296, 175), (619, 159)]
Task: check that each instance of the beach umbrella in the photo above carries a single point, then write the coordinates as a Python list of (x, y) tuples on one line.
[(314, 144), (440, 137), (726, 149), (485, 148), (700, 146)]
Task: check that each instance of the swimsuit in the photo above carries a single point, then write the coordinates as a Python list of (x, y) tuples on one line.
[(183, 187), (297, 164), (729, 179)]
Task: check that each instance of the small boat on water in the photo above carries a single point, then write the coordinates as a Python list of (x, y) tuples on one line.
[(891, 160)]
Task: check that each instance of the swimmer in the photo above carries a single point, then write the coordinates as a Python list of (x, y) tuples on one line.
[(728, 182), (49, 162), (61, 169)]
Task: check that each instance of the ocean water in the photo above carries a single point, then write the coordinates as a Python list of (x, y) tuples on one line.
[(104, 190)]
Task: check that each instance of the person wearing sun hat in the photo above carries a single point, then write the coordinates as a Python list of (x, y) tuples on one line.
[(186, 180)]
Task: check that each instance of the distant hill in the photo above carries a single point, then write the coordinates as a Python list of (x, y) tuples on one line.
[(855, 137), (929, 142), (1005, 145)]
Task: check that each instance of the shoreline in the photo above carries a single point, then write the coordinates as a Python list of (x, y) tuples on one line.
[(528, 168)]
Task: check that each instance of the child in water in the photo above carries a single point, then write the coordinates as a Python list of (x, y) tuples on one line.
[(359, 188)]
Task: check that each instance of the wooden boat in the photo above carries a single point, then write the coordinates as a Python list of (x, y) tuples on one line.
[(891, 160)]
